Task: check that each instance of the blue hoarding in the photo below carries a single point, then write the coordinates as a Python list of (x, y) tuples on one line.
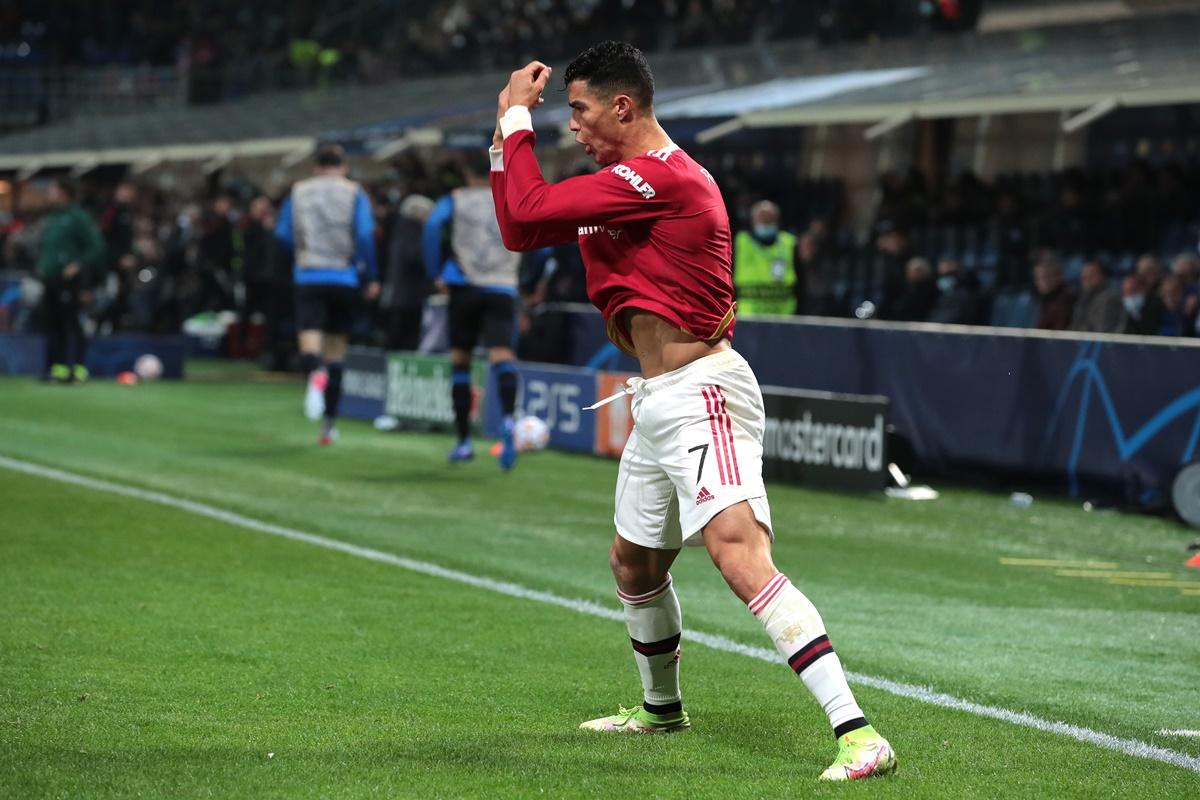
[(556, 395), (25, 354), (1111, 417)]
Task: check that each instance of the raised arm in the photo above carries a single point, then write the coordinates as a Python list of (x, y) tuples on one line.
[(621, 193), (521, 237)]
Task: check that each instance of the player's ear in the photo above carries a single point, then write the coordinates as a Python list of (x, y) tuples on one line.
[(624, 106)]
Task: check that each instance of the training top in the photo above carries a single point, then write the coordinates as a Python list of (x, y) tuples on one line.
[(327, 220), (466, 220), (70, 236), (652, 230)]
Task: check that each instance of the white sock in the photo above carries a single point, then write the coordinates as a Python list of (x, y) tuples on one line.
[(655, 623), (795, 626)]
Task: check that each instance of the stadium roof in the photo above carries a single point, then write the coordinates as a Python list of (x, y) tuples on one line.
[(281, 124), (1137, 62), (1090, 68)]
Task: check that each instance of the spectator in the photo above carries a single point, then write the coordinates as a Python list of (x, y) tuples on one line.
[(182, 265), (117, 221), (149, 289), (262, 280), (1056, 301), (1175, 320), (810, 285), (889, 282), (1187, 267), (216, 255), (117, 227), (764, 264), (72, 253), (1098, 309), (554, 275), (405, 283), (958, 297), (1143, 311), (1150, 269), (920, 292)]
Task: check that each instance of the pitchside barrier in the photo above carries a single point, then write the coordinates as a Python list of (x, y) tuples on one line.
[(838, 441), (1101, 416), (813, 438), (25, 354)]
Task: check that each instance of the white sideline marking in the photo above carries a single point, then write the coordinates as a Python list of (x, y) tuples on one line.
[(1182, 732), (1129, 747)]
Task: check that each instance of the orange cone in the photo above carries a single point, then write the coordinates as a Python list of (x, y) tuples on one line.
[(1194, 561)]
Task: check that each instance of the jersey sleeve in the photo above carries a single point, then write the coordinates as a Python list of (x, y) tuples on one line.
[(518, 237), (364, 235), (432, 235), (283, 225), (627, 192)]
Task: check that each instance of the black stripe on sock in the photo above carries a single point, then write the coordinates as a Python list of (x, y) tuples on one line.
[(669, 645), (849, 725), (806, 656), (665, 710)]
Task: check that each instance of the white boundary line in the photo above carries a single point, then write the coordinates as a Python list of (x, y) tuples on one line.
[(1184, 732), (922, 694)]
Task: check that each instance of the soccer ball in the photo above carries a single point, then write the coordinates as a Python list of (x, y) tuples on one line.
[(531, 433), (148, 367)]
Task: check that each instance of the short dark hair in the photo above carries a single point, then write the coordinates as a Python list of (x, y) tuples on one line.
[(331, 155), (612, 68)]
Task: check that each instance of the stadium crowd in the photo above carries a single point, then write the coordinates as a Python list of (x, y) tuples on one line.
[(226, 46), (1085, 251), (965, 253)]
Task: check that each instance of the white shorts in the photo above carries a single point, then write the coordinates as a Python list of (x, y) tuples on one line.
[(695, 450)]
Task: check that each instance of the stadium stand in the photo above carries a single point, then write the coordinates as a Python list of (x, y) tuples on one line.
[(1108, 171)]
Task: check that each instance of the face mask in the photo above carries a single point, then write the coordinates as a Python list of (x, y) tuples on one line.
[(1133, 303), (946, 283), (766, 232)]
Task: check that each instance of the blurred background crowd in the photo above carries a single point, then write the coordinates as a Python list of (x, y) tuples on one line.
[(1101, 244), (1112, 252), (226, 44)]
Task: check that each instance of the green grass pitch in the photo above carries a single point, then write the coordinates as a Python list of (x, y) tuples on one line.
[(147, 651)]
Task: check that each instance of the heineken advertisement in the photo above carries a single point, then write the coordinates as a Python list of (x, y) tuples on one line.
[(418, 389)]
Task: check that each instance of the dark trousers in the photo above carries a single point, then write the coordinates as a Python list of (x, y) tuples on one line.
[(404, 328), (65, 342)]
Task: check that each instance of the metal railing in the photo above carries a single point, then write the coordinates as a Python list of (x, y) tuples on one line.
[(35, 95)]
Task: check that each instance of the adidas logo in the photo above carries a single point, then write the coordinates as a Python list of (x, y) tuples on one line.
[(704, 496)]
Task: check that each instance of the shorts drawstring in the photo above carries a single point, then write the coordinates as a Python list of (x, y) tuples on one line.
[(631, 386)]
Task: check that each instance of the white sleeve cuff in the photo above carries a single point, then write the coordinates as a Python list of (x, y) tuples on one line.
[(497, 156), (517, 118)]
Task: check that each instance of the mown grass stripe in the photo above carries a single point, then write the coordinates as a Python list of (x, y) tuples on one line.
[(922, 694)]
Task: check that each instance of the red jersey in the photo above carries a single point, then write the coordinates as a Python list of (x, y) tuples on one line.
[(652, 230)]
